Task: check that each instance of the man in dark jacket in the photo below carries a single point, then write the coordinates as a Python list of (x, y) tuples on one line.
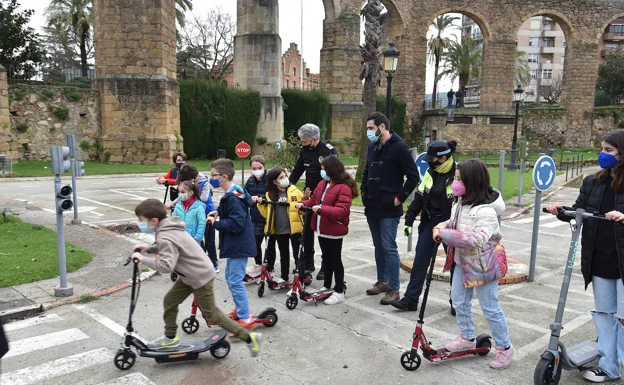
[(310, 156), (449, 96), (384, 190)]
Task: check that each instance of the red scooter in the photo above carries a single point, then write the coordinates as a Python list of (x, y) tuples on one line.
[(411, 360), (266, 277), (268, 318), (297, 292)]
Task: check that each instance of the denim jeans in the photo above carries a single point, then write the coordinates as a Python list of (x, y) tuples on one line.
[(234, 274), (384, 232), (488, 299), (609, 310)]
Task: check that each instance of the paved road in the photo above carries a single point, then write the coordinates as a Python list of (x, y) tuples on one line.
[(358, 341)]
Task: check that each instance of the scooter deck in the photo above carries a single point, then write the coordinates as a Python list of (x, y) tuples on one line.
[(583, 353), (186, 348)]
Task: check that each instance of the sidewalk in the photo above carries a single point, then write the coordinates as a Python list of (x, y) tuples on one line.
[(104, 275)]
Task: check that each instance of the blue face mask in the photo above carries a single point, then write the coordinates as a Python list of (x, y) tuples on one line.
[(214, 183), (145, 228), (324, 175), (372, 135), (607, 160)]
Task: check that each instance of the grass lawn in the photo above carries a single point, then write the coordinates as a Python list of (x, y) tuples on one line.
[(29, 253), (32, 168)]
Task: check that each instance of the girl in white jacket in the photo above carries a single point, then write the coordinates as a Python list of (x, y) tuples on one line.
[(478, 259)]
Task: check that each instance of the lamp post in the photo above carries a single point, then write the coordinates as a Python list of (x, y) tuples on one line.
[(514, 144), (391, 59)]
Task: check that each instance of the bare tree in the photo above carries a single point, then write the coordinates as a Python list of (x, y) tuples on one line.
[(371, 69), (551, 91), (207, 45)]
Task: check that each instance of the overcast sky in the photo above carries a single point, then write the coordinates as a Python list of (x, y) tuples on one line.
[(290, 27)]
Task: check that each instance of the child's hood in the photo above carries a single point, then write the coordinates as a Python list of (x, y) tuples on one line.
[(238, 192), (201, 178), (498, 204), (170, 224)]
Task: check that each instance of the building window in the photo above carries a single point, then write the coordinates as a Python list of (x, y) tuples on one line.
[(564, 44), (536, 24), (533, 74), (286, 83), (534, 41), (549, 25), (294, 71), (533, 58), (617, 29), (294, 84), (548, 42), (547, 74)]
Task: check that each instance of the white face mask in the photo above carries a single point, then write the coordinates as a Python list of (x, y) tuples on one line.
[(258, 173), (183, 197), (283, 183)]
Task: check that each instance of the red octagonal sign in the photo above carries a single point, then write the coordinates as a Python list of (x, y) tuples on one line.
[(243, 150)]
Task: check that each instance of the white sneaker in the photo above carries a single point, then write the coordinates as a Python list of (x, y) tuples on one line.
[(335, 298), (254, 270), (279, 281)]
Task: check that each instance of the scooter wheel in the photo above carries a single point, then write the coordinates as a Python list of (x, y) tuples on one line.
[(292, 301), (483, 341), (408, 364), (271, 319), (261, 290), (544, 372), (190, 325), (221, 350), (307, 280), (124, 359)]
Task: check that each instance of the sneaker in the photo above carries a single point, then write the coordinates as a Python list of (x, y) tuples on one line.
[(248, 324), (378, 288), (254, 271), (459, 344), (405, 304), (164, 343), (255, 344), (279, 281), (320, 276), (335, 298), (390, 297), (233, 315), (595, 374), (503, 358)]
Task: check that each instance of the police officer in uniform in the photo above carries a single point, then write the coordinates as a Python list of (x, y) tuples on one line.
[(310, 156)]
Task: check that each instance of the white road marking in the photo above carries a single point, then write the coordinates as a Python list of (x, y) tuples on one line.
[(133, 196), (109, 323), (27, 186), (44, 341), (531, 230), (552, 225), (106, 205), (579, 292), (530, 219), (56, 368), (130, 379), (44, 319), (540, 303)]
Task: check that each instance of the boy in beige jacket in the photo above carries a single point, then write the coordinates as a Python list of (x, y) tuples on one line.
[(177, 251)]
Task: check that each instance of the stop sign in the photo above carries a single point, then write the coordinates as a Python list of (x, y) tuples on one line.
[(242, 150)]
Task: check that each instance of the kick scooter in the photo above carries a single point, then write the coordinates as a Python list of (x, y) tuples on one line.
[(125, 358), (557, 356), (268, 318), (411, 360)]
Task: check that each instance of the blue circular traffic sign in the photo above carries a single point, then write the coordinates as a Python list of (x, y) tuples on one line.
[(422, 165), (544, 173)]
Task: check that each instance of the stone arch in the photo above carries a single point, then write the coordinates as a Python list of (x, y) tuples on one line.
[(569, 30), (394, 19), (605, 25), (479, 18), (330, 10)]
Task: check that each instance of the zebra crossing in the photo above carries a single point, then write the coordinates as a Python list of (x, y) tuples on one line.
[(545, 221), (34, 337)]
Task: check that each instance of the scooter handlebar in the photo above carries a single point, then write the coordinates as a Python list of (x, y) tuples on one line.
[(265, 201), (127, 261), (568, 212)]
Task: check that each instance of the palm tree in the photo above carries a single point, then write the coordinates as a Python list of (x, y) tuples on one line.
[(523, 71), (181, 7), (463, 61), (77, 14), (437, 45)]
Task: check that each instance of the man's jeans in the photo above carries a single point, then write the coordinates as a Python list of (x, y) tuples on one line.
[(608, 313), (384, 232)]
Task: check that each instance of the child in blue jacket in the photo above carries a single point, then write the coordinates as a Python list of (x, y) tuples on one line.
[(191, 210), (236, 235)]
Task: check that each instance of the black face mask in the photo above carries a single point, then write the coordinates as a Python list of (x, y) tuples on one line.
[(180, 164), (433, 165)]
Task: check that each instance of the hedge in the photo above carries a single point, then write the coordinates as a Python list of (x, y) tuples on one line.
[(215, 117), (303, 107), (399, 111)]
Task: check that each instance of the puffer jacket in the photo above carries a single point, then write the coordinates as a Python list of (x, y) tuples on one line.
[(194, 218), (258, 188), (294, 196), (335, 208), (476, 238), (589, 199)]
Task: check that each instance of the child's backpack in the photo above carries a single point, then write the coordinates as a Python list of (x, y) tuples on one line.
[(209, 204)]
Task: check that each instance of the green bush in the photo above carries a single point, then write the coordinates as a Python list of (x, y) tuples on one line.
[(304, 107), (47, 94), (215, 117), (85, 145), (18, 95), (22, 127), (75, 96), (399, 111), (61, 112)]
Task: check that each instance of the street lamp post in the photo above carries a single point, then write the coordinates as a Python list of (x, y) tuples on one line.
[(391, 59), (513, 166)]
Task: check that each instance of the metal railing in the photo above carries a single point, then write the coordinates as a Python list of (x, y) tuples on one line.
[(572, 164)]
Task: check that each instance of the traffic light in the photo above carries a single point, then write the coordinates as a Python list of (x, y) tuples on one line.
[(78, 169), (59, 157), (63, 198), (523, 148)]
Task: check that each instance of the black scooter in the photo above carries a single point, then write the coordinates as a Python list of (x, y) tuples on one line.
[(125, 358)]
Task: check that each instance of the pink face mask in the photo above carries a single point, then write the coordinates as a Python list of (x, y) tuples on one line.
[(458, 188)]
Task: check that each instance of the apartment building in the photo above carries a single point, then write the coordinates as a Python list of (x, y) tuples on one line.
[(291, 75), (612, 38)]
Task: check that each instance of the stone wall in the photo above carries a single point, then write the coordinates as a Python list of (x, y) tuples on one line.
[(6, 146), (35, 126)]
